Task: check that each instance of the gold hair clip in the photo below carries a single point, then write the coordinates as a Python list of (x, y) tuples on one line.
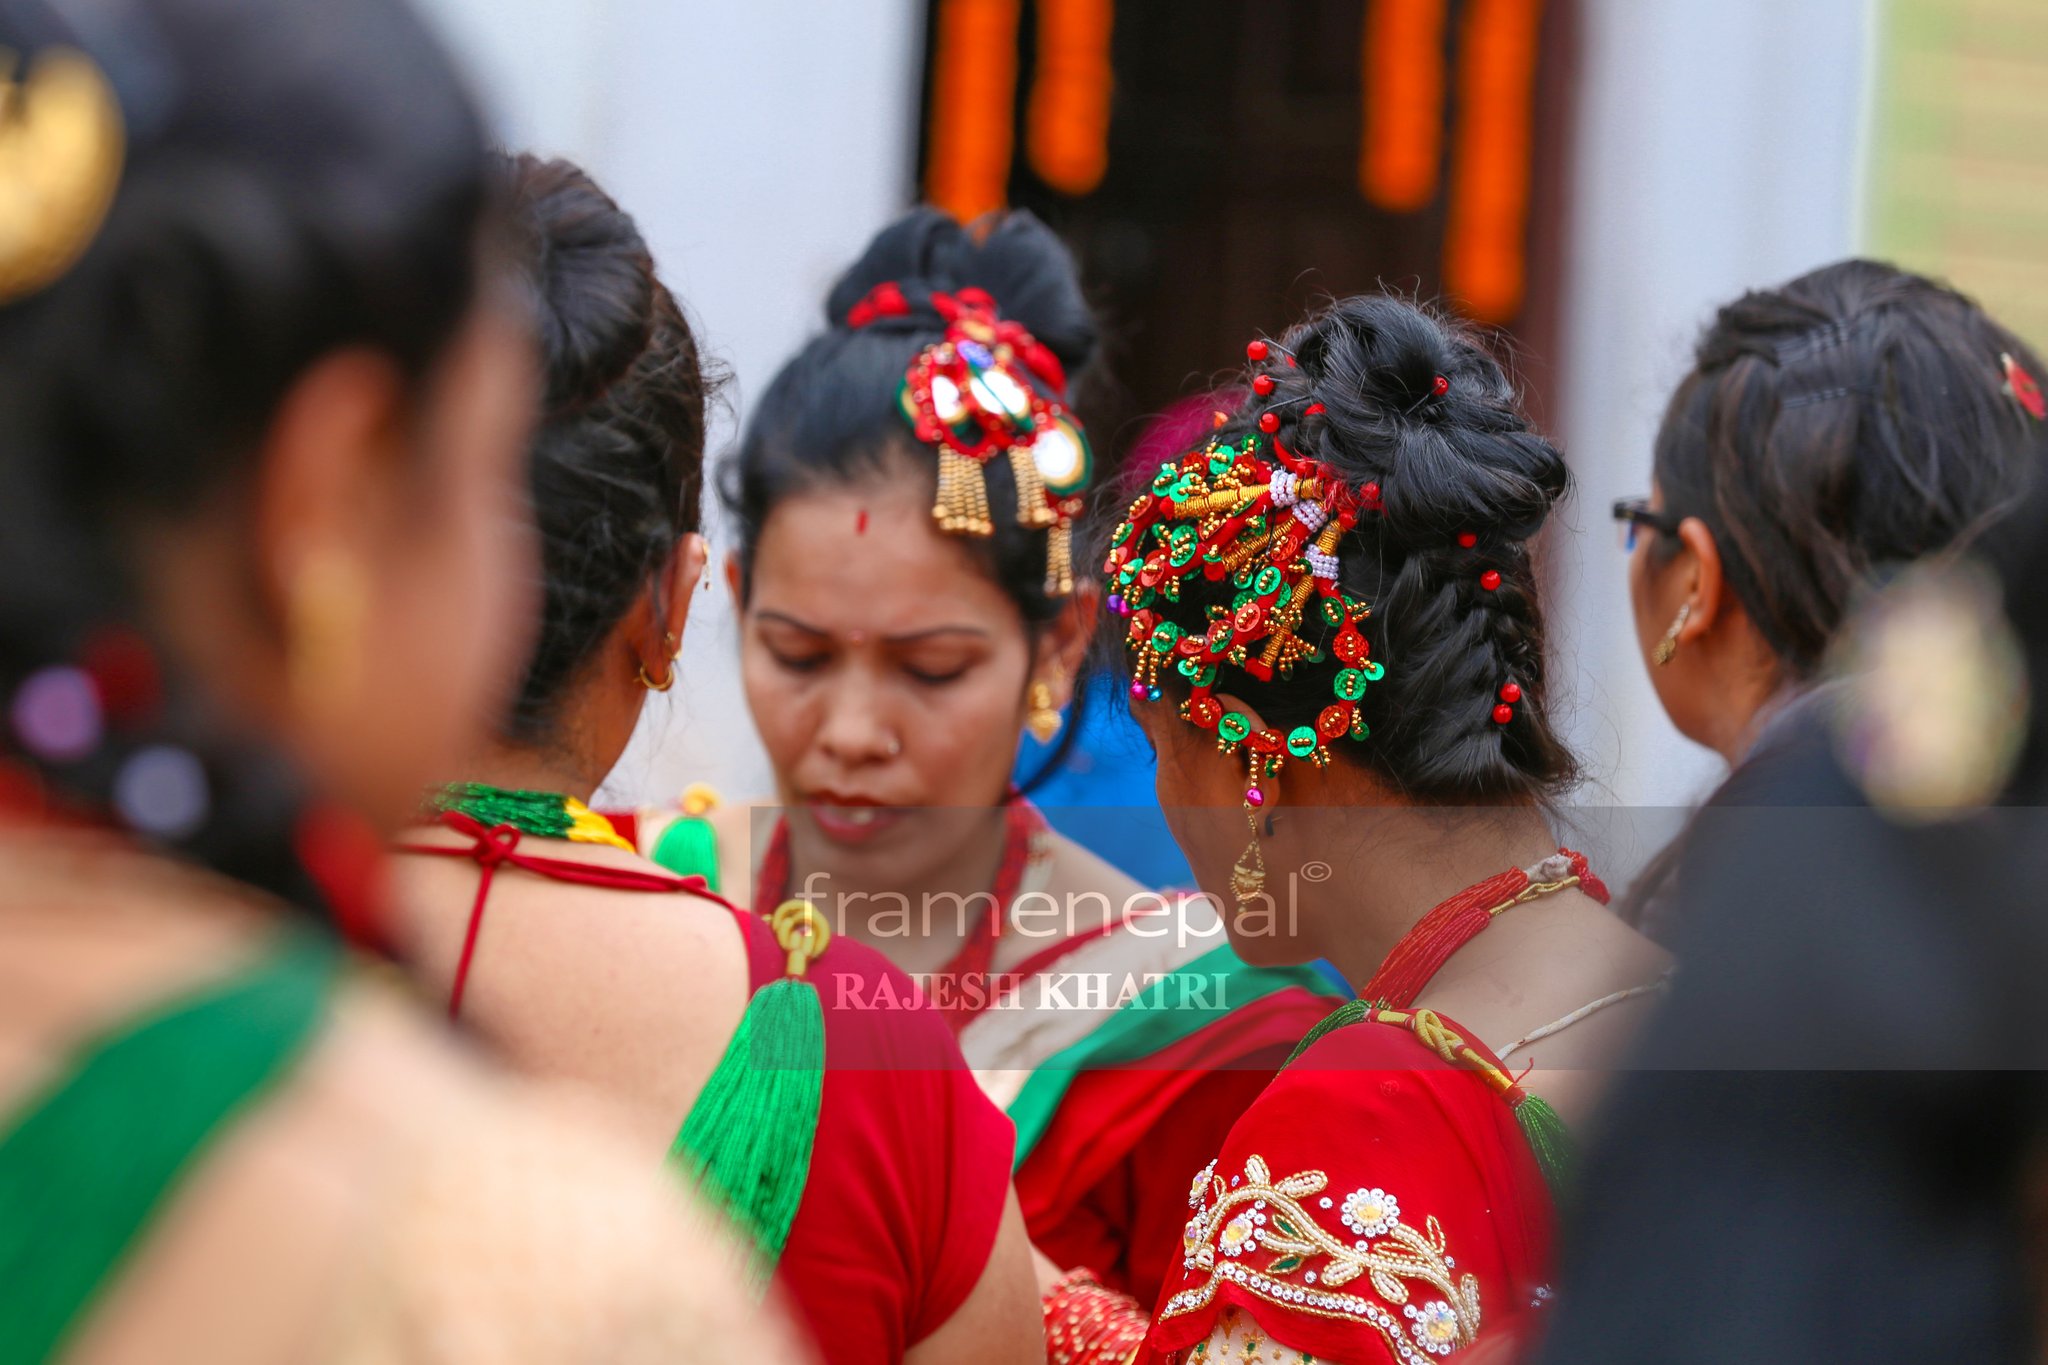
[(61, 148)]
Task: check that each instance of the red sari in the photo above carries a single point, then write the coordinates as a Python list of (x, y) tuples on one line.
[(1105, 1185), (1121, 1101)]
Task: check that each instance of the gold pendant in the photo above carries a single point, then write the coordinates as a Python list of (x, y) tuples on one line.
[(1248, 878)]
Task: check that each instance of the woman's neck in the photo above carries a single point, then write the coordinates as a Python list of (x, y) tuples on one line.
[(1755, 719), (1394, 867), (530, 770)]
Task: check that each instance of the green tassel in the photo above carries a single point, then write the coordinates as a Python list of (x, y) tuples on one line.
[(1549, 1139), (748, 1138)]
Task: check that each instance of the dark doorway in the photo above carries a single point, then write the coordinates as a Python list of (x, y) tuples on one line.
[(1232, 198)]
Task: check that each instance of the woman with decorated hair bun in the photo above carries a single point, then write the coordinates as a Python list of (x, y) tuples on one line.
[(261, 412), (908, 495), (1336, 632)]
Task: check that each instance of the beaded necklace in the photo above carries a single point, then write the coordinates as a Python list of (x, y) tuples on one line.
[(1422, 952), (1023, 847), (550, 815)]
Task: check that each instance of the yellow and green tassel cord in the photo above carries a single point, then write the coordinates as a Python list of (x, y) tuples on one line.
[(549, 815)]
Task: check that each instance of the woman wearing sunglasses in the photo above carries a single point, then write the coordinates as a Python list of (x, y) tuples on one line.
[(1831, 430)]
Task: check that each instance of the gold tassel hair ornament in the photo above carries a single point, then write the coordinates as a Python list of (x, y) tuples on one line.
[(979, 394), (61, 149)]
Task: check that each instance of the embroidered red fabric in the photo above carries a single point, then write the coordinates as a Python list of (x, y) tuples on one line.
[(1368, 1138)]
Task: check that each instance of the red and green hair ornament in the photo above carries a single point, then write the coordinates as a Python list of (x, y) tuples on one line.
[(1270, 522), (980, 393)]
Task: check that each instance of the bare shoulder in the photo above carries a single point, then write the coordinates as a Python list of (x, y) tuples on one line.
[(1564, 969), (528, 1223), (634, 992)]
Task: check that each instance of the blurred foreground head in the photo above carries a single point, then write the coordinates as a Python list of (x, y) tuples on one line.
[(260, 514)]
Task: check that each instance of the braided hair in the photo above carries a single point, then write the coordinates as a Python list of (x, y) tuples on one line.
[(298, 178), (1421, 427), (1856, 417)]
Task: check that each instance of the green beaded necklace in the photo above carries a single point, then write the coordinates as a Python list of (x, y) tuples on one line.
[(549, 815)]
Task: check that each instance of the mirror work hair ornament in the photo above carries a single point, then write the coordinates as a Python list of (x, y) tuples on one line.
[(972, 395)]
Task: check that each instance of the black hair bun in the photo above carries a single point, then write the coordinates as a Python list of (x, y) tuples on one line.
[(1449, 456), (1017, 259), (593, 280), (1441, 556)]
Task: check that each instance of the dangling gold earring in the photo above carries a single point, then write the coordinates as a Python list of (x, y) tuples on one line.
[(668, 679), (1668, 646), (1248, 877), (324, 619), (1044, 719)]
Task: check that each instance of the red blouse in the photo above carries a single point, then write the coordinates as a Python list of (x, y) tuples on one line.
[(910, 1169), (1106, 1185), (1375, 1204)]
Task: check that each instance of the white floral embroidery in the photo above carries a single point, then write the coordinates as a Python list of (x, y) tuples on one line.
[(1435, 1326), (1198, 1193), (1371, 1212), (1257, 1232)]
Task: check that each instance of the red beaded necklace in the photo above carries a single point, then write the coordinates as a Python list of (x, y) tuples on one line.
[(1425, 948), (1022, 827)]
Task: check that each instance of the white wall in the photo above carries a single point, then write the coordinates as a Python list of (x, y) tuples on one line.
[(1717, 150), (759, 145)]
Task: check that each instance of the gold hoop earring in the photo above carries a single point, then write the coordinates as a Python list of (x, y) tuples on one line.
[(668, 678), (1044, 719), (1248, 877), (1668, 646)]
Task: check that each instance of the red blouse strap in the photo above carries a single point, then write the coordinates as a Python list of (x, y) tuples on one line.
[(493, 846)]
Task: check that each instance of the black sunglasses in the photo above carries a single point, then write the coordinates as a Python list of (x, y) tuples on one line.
[(1631, 513)]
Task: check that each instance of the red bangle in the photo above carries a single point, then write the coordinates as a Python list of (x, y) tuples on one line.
[(1087, 1323)]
